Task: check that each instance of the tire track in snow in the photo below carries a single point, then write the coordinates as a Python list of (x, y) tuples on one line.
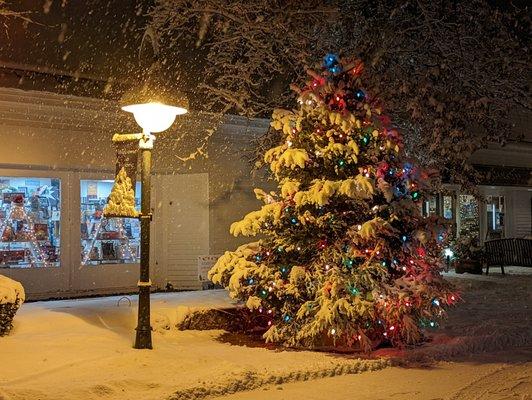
[(253, 380)]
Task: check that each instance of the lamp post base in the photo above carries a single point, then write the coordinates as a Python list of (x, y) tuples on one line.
[(143, 339), (143, 336)]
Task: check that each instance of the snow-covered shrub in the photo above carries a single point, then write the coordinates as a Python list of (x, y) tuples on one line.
[(11, 298)]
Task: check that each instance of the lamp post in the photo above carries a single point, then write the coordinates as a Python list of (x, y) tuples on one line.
[(155, 112)]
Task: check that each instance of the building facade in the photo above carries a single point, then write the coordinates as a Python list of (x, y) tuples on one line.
[(57, 166)]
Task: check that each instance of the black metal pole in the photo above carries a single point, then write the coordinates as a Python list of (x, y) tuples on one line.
[(143, 337)]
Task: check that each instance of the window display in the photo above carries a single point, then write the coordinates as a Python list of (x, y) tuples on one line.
[(30, 222), (106, 240), (495, 217), (429, 207), (448, 207)]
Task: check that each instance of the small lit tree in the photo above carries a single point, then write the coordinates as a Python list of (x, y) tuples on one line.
[(345, 255)]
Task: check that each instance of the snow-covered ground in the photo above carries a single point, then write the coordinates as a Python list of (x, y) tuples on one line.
[(81, 349), (499, 376)]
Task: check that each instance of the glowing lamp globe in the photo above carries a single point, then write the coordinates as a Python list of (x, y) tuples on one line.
[(154, 109), (155, 116)]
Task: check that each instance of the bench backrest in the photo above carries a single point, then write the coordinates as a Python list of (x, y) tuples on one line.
[(512, 251)]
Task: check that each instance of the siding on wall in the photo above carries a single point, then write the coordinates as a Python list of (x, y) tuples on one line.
[(185, 217), (231, 181), (522, 209)]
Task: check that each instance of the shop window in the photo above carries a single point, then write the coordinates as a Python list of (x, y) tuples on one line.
[(430, 207), (106, 240), (447, 207), (495, 217), (468, 218), (30, 222)]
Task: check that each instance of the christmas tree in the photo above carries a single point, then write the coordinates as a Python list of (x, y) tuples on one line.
[(345, 256), (122, 199)]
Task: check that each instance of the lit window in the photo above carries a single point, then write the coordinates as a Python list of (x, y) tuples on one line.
[(30, 222), (106, 240)]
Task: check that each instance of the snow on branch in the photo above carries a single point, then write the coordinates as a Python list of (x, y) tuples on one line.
[(453, 76)]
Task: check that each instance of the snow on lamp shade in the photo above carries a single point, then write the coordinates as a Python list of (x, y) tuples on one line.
[(154, 117)]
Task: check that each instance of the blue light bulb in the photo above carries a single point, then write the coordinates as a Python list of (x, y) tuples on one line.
[(336, 69), (330, 60), (360, 95)]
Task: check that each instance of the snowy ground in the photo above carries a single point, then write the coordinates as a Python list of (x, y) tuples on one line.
[(486, 377), (81, 349)]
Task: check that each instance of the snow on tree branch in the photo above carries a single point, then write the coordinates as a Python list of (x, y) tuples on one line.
[(7, 12), (452, 74)]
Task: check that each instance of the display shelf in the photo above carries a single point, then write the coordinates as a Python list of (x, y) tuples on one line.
[(24, 242)]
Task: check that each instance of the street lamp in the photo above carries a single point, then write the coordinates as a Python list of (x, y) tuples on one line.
[(155, 111)]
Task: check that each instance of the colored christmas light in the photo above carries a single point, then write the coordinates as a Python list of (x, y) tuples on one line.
[(330, 60), (360, 95)]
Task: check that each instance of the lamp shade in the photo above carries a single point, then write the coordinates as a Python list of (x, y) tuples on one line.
[(154, 108)]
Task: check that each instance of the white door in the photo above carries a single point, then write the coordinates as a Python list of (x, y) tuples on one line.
[(181, 229)]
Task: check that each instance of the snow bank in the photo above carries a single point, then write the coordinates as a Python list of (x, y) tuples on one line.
[(495, 315)]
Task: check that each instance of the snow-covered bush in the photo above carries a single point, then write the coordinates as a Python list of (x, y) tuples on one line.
[(11, 298)]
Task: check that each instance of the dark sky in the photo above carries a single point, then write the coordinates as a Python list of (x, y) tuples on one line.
[(93, 37)]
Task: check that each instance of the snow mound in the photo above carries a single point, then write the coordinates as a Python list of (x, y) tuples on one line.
[(453, 348), (11, 291)]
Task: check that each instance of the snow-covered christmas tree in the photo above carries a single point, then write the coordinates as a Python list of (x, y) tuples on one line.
[(122, 199), (345, 256)]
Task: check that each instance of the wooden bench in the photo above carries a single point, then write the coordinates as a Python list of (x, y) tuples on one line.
[(501, 252)]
